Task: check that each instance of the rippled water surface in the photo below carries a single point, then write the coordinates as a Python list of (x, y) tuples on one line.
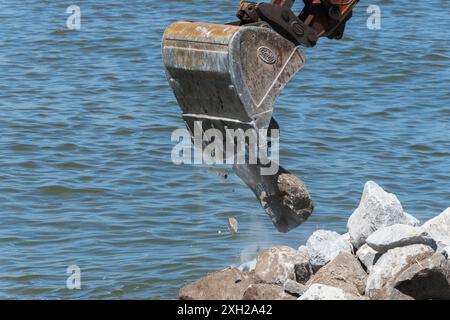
[(86, 116)]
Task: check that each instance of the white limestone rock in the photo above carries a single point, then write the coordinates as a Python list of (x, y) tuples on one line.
[(368, 257), (346, 237), (376, 209), (303, 250), (323, 246), (398, 235), (323, 292), (392, 263), (439, 228), (277, 265)]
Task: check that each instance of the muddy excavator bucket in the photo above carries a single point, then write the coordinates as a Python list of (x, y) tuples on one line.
[(228, 77)]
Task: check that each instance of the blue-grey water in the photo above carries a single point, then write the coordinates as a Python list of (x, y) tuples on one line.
[(86, 116)]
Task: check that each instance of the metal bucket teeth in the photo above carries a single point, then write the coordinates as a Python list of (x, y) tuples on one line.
[(227, 75)]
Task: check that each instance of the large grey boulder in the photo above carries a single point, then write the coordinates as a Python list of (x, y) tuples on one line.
[(426, 279), (392, 263), (367, 256), (398, 235), (323, 246), (376, 209), (264, 291), (322, 292), (277, 264), (228, 284), (439, 228), (343, 272)]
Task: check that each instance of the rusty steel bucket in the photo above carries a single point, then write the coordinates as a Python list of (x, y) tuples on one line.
[(228, 77)]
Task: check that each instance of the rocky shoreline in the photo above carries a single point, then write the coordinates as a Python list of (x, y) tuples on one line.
[(385, 255)]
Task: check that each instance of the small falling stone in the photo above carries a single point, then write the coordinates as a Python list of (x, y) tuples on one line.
[(233, 225)]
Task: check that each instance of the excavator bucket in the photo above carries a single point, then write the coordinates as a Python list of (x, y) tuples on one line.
[(228, 77)]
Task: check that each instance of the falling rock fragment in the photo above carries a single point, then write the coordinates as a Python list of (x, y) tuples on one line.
[(439, 228), (398, 235), (376, 209), (228, 284), (343, 272), (265, 291), (323, 292), (367, 256), (426, 279), (277, 265), (393, 262), (232, 225), (323, 246)]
